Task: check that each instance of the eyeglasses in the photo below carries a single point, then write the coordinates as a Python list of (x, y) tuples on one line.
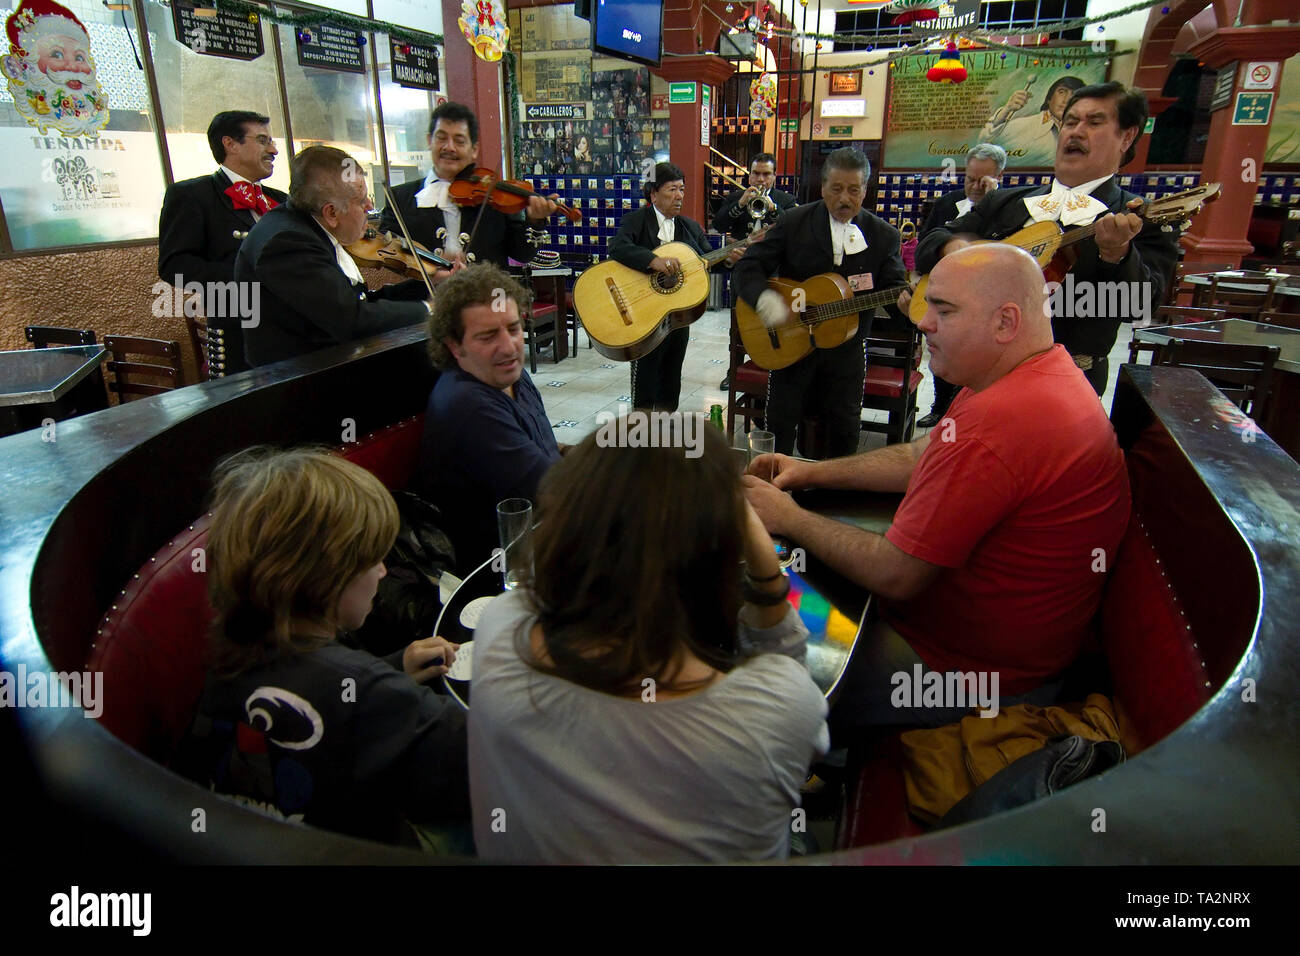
[(262, 140)]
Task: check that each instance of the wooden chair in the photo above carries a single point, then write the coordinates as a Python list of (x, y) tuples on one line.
[(1178, 287), (121, 368), (53, 336), (1286, 320), (1240, 303), (1244, 373), (541, 323), (1185, 314), (1136, 349), (893, 377), (198, 327), (746, 386)]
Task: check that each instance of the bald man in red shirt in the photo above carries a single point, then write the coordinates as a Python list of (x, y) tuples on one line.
[(1014, 505)]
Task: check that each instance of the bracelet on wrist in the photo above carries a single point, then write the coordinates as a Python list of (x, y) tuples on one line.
[(757, 596)]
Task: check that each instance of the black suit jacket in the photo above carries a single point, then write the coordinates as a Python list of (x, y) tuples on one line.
[(500, 237), (1151, 256), (638, 237), (799, 247), (196, 241), (944, 209), (306, 302), (733, 220)]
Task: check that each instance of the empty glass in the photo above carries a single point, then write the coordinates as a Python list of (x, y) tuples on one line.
[(763, 443), (514, 522)]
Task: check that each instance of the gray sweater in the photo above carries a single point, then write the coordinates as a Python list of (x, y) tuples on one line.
[(560, 773)]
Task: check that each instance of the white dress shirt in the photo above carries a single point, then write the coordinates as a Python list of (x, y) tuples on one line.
[(667, 231), (435, 195), (345, 261), (846, 239)]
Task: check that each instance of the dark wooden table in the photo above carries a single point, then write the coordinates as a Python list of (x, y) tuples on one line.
[(834, 609), (36, 384), (1286, 294), (1281, 419)]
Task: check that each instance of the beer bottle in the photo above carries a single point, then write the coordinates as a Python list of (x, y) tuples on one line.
[(715, 418)]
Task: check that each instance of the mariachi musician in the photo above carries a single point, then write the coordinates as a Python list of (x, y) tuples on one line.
[(446, 228), (737, 218), (204, 220)]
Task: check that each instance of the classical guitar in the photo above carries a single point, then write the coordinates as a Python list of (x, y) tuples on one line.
[(823, 314), (1050, 245), (627, 313)]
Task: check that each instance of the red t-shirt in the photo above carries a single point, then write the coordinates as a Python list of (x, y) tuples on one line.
[(1013, 497)]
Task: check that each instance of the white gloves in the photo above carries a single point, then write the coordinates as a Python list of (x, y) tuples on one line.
[(771, 308)]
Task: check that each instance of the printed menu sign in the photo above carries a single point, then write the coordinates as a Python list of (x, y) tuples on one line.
[(331, 48), (228, 34), (414, 66)]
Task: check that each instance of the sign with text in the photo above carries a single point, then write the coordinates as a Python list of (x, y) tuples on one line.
[(329, 47), (231, 35), (681, 92), (1223, 81), (1253, 109), (706, 114), (1259, 76), (841, 130), (541, 112), (1015, 100), (414, 66)]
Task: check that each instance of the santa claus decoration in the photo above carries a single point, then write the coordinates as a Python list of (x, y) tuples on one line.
[(50, 71)]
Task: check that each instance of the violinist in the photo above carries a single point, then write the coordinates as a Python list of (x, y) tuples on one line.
[(308, 292), (445, 227)]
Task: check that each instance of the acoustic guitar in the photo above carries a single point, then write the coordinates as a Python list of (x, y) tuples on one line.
[(823, 314), (1049, 244), (627, 313)]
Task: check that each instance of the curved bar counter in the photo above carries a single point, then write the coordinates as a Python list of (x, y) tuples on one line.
[(81, 514)]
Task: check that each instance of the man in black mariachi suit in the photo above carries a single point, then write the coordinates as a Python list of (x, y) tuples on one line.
[(308, 291), (437, 222), (1101, 127), (833, 235), (734, 217), (204, 220), (657, 377)]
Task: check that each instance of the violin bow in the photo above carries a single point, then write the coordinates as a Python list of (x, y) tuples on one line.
[(410, 243)]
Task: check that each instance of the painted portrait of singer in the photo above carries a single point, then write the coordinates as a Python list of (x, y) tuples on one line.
[(1035, 133)]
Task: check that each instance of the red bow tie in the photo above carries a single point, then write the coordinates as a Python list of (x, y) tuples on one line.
[(250, 196)]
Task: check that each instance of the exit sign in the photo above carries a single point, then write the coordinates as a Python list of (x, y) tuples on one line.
[(681, 92), (841, 130), (789, 126), (1253, 109)]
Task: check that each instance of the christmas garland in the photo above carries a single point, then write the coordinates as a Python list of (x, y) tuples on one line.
[(334, 18), (512, 99)]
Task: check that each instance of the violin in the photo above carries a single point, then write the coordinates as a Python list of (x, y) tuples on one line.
[(508, 196), (392, 252)]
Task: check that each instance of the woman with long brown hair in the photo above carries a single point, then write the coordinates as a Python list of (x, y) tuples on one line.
[(644, 698)]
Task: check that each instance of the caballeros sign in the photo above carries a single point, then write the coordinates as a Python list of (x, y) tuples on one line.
[(50, 71)]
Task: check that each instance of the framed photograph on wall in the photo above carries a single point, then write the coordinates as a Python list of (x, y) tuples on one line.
[(846, 82)]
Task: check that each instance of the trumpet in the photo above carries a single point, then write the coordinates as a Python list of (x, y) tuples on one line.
[(762, 205)]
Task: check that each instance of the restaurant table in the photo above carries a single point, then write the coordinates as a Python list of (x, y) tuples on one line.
[(1281, 419), (834, 609), (36, 384), (1286, 294)]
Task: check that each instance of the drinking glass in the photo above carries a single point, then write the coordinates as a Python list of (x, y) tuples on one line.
[(514, 522), (763, 443)]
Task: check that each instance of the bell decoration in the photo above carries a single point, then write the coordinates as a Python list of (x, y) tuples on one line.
[(948, 69)]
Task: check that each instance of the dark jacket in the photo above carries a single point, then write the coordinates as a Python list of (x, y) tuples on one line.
[(197, 241), (944, 210), (500, 237), (638, 237), (799, 247), (306, 302), (734, 221), (1151, 256)]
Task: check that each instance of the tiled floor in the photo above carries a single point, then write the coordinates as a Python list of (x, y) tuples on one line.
[(577, 388)]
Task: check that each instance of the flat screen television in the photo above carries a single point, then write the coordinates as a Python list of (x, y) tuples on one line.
[(631, 29)]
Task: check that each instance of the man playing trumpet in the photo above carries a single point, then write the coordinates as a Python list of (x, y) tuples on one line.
[(737, 215)]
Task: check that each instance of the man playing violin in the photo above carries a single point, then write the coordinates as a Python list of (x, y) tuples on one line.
[(834, 235), (439, 223), (309, 290), (204, 220), (1099, 133)]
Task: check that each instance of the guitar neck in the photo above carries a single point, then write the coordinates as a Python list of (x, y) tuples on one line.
[(717, 255), (858, 303)]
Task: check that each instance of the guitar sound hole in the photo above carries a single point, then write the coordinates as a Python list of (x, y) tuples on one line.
[(666, 285)]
